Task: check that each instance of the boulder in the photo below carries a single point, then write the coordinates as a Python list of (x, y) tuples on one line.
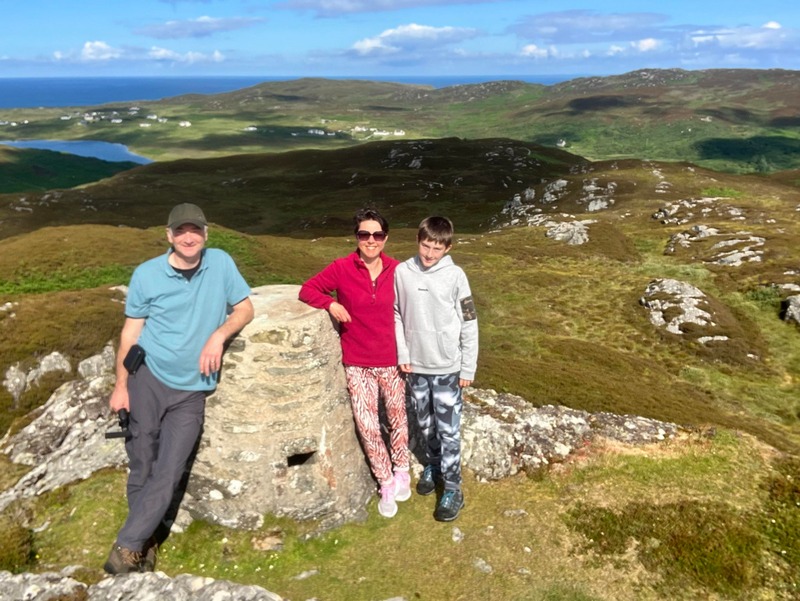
[(152, 586), (279, 435)]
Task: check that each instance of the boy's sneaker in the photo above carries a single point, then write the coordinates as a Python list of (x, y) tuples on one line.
[(427, 482), (122, 560), (150, 555), (402, 486), (451, 503), (387, 506)]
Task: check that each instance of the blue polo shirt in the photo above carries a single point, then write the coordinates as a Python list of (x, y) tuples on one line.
[(181, 314)]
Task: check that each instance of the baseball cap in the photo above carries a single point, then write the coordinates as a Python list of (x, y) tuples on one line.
[(186, 213)]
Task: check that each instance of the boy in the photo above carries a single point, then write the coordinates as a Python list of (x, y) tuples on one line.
[(437, 347)]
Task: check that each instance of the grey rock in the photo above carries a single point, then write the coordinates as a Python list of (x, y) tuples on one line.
[(156, 586), (15, 382), (54, 361), (49, 586), (98, 365), (482, 566), (681, 301), (279, 436), (66, 443), (574, 233), (502, 434), (152, 586), (791, 311)]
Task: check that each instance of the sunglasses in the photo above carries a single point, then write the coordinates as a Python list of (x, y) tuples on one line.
[(364, 235)]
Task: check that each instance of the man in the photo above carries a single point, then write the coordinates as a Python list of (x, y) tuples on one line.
[(181, 309)]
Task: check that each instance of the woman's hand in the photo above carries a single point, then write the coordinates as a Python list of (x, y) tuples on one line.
[(339, 313)]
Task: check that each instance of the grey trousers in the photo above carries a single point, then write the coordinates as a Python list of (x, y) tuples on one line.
[(165, 424), (438, 403)]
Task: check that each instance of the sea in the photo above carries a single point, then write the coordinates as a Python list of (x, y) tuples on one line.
[(32, 92)]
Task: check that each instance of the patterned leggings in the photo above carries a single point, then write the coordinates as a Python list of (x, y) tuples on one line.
[(364, 383), (437, 400)]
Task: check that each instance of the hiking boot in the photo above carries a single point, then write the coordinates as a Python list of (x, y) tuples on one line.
[(451, 503), (402, 486), (122, 560), (150, 555), (427, 482), (387, 506)]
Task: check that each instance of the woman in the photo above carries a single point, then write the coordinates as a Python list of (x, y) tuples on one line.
[(364, 308)]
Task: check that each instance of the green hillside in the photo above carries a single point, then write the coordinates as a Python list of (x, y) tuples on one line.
[(27, 170), (735, 120), (712, 515)]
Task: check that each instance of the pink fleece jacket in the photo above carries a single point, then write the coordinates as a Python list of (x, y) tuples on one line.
[(369, 339)]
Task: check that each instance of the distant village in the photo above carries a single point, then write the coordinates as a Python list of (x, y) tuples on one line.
[(146, 121)]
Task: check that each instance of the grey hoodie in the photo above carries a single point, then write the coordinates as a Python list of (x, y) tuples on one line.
[(435, 320)]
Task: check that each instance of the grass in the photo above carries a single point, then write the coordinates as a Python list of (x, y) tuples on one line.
[(680, 538), (26, 170), (723, 536), (558, 324), (33, 280)]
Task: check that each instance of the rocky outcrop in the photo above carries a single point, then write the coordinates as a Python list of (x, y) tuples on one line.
[(562, 227), (17, 381), (674, 304), (153, 586), (66, 442), (504, 435), (687, 315), (790, 309)]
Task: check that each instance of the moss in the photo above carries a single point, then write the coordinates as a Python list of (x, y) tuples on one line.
[(16, 545), (693, 544)]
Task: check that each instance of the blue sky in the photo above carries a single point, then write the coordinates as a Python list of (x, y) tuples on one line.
[(392, 37)]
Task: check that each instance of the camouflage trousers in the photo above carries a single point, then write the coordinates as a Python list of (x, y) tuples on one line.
[(437, 403)]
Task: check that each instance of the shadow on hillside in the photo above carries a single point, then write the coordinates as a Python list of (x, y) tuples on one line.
[(778, 152), (785, 122), (601, 103)]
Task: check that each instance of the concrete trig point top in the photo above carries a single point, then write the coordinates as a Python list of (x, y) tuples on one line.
[(279, 436)]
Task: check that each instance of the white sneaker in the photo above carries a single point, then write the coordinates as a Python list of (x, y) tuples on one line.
[(402, 486), (387, 506)]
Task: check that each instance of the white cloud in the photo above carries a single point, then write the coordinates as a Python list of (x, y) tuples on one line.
[(99, 51), (769, 37), (533, 51), (371, 45), (646, 45), (411, 37), (197, 28), (164, 54)]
